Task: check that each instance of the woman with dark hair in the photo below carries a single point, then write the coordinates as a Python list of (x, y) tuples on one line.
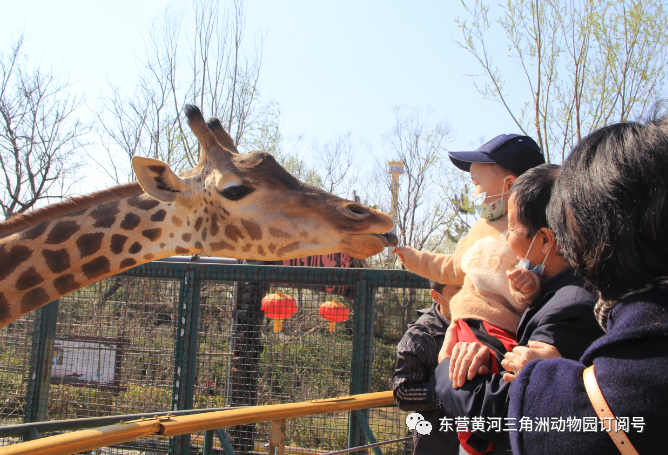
[(609, 212)]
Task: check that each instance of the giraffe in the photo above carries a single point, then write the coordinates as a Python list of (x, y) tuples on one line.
[(243, 206)]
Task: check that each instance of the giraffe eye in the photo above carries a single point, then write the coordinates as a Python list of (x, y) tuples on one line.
[(234, 193)]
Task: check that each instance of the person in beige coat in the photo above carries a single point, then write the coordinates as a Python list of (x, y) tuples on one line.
[(488, 308)]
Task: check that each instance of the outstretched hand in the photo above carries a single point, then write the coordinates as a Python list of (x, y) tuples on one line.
[(522, 280), (521, 355), (403, 252)]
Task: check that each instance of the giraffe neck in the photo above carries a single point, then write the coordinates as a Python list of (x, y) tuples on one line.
[(45, 261), (55, 257)]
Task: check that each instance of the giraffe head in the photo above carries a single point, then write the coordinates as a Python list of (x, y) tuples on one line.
[(248, 207)]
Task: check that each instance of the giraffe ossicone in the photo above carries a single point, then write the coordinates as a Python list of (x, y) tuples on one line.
[(243, 206)]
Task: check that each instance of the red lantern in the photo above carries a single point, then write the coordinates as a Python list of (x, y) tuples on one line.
[(334, 312), (278, 306)]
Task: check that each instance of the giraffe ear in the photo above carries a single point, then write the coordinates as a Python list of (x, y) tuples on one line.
[(158, 179)]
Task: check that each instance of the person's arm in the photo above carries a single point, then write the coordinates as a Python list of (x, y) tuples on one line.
[(571, 326), (416, 355), (553, 391), (482, 396), (442, 268)]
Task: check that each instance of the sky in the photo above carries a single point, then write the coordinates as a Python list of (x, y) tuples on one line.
[(333, 67)]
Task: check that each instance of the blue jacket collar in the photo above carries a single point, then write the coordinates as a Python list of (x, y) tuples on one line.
[(638, 316)]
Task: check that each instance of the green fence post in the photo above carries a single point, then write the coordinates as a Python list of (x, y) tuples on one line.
[(222, 437), (185, 354), (41, 358), (367, 431), (208, 443), (357, 368)]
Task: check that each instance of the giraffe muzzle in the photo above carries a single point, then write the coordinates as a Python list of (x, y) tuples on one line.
[(390, 238)]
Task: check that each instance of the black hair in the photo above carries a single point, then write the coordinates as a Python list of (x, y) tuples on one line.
[(609, 207), (531, 193), (438, 287)]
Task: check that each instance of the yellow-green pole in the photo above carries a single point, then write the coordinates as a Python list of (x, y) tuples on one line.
[(83, 440)]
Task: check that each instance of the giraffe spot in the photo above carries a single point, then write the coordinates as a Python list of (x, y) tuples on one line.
[(222, 245), (28, 279), (89, 243), (97, 267), (117, 243), (11, 259), (105, 215), (78, 213), (254, 230), (271, 247), (34, 299), (278, 233), (135, 248), (287, 249), (223, 209), (186, 237), (127, 262), (204, 235), (57, 260), (303, 234), (152, 234), (246, 247), (206, 210), (181, 250), (143, 203), (62, 231), (214, 225), (199, 246), (232, 232), (157, 169), (34, 232), (171, 235), (177, 221), (260, 250), (148, 256), (130, 221), (162, 245), (199, 180), (159, 216), (5, 310), (65, 284), (188, 221), (198, 223)]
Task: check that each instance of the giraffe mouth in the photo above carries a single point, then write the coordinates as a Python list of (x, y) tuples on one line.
[(389, 238)]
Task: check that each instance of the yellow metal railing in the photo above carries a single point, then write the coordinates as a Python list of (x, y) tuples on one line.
[(83, 440)]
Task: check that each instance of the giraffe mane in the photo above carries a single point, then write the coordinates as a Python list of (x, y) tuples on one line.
[(74, 204)]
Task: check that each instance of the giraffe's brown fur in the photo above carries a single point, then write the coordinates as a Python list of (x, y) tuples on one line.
[(67, 207), (242, 206)]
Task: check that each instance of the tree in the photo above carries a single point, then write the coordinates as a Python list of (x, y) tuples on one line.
[(206, 64), (586, 63), (431, 200), (40, 137)]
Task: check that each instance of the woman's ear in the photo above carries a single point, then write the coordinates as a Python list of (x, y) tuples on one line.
[(548, 240)]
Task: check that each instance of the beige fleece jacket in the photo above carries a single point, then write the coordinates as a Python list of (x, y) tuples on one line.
[(479, 264)]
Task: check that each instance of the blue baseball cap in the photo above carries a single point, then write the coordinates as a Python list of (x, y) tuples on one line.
[(516, 153)]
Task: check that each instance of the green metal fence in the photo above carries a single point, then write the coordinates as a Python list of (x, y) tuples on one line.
[(171, 336)]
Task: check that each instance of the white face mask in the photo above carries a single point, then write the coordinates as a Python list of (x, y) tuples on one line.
[(490, 210), (524, 262)]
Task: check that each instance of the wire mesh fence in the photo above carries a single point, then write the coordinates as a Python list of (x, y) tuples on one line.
[(167, 337)]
